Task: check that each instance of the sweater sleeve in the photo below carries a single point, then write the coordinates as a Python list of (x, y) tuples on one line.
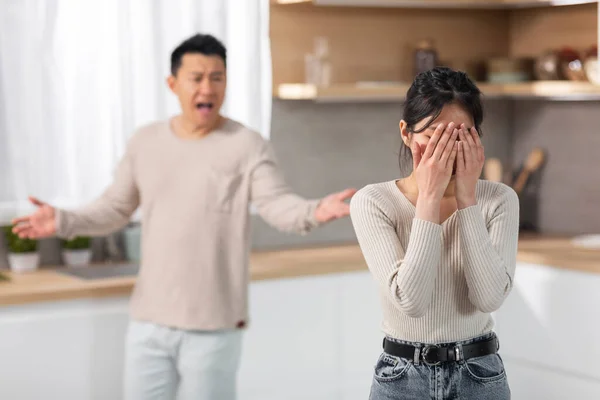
[(110, 212), (407, 275), (490, 250), (274, 200)]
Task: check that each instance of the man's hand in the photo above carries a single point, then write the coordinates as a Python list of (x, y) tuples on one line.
[(334, 206), (38, 225)]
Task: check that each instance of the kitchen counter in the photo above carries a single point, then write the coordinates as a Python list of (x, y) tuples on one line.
[(560, 253), (48, 285)]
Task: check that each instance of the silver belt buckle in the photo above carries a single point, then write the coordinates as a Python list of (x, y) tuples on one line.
[(426, 351)]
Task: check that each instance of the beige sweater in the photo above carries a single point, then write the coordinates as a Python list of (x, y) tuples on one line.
[(438, 282), (194, 197)]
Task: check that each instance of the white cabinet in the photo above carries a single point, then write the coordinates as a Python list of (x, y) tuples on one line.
[(359, 334), (289, 350), (549, 328), (62, 350), (309, 338), (314, 337), (529, 382)]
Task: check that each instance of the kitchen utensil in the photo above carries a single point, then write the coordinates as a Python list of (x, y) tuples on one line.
[(492, 170), (533, 162)]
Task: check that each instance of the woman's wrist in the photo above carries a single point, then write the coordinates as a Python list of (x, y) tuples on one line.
[(428, 209), (464, 203)]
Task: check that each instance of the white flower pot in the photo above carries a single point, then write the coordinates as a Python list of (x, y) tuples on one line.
[(77, 258), (23, 262), (132, 239)]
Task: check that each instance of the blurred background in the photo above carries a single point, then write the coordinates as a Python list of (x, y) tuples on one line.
[(324, 81)]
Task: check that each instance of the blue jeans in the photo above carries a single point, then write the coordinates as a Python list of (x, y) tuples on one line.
[(479, 378), (163, 363)]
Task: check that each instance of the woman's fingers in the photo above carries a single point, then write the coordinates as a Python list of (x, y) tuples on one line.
[(468, 137), (479, 146), (460, 157), (433, 141), (449, 147), (441, 145), (466, 146), (452, 158)]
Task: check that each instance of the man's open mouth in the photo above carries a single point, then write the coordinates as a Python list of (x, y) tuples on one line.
[(204, 106)]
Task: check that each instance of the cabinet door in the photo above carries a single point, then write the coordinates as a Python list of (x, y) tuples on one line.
[(528, 381), (361, 336), (549, 325), (63, 350), (290, 349), (314, 337)]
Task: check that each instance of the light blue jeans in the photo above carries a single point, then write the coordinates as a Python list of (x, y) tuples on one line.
[(162, 363), (479, 378)]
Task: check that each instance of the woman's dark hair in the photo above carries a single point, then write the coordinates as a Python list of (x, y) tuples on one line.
[(427, 96)]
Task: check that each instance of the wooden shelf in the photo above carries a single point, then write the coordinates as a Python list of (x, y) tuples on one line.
[(551, 90), (471, 4)]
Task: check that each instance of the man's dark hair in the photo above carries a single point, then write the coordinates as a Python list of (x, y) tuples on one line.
[(199, 43)]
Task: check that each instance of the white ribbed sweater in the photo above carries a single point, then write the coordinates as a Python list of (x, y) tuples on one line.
[(438, 282)]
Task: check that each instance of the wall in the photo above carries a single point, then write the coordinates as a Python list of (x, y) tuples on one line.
[(569, 184), (536, 30), (324, 148), (561, 198), (377, 43), (381, 49), (327, 147)]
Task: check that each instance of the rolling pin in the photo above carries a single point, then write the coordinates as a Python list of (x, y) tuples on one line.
[(492, 170), (534, 161)]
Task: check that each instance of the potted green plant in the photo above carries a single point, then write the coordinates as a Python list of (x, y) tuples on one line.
[(22, 253), (77, 251)]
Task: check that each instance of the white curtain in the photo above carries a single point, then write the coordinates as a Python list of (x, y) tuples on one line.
[(78, 76)]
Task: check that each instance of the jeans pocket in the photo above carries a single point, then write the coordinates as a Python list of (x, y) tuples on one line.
[(485, 369), (140, 333), (390, 368)]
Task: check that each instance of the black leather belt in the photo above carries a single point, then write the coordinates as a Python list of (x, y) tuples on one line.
[(432, 354)]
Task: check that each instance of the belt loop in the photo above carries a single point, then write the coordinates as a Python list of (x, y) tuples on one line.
[(417, 355), (458, 352)]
